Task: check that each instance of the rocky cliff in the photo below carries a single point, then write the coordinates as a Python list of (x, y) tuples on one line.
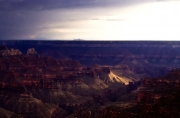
[(155, 97), (140, 56), (28, 82), (104, 72), (4, 51)]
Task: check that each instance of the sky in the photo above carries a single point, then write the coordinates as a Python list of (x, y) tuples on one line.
[(90, 19)]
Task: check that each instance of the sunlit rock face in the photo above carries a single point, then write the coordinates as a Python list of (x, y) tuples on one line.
[(155, 97), (4, 51), (67, 83), (35, 80), (36, 71), (31, 51), (153, 58)]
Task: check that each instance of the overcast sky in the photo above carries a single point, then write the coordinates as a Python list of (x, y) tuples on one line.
[(90, 19)]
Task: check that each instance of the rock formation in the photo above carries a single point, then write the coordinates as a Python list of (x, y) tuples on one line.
[(4, 51), (31, 51), (47, 81), (156, 97), (43, 79)]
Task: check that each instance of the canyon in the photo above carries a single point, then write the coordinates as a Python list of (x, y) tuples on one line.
[(55, 79), (155, 97), (31, 84)]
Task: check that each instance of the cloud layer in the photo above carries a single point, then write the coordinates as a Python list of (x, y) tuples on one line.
[(57, 4), (90, 19)]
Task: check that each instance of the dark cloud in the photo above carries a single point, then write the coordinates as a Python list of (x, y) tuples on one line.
[(24, 18), (15, 23), (45, 4), (6, 5)]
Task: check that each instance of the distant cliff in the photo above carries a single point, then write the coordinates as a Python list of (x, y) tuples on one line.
[(133, 53)]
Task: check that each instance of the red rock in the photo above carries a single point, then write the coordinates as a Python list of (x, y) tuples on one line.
[(33, 70)]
